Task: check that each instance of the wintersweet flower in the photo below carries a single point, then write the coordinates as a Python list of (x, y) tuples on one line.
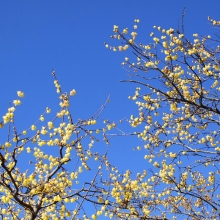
[(33, 127), (20, 94), (73, 92), (17, 102)]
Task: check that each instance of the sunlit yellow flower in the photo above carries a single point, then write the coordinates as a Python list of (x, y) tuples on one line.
[(20, 94), (17, 102)]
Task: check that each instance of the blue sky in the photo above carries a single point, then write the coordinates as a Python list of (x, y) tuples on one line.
[(69, 37)]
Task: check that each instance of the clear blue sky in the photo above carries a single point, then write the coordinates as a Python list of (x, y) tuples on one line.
[(69, 36)]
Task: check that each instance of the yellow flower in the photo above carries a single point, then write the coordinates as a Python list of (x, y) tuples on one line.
[(125, 47), (50, 124), (125, 31), (73, 92), (131, 41), (20, 94), (156, 40), (66, 200), (33, 127), (94, 216), (43, 131), (133, 34), (17, 102), (48, 110), (7, 144), (120, 48), (147, 47), (115, 28)]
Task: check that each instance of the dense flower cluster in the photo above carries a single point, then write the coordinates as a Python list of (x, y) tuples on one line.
[(178, 120), (179, 111), (51, 182)]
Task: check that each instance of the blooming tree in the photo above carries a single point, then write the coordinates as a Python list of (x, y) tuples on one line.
[(177, 124), (178, 101), (55, 154)]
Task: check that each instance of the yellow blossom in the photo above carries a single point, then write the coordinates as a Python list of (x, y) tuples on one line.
[(17, 102), (73, 92), (20, 94)]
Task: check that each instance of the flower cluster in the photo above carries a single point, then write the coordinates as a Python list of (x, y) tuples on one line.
[(178, 122)]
